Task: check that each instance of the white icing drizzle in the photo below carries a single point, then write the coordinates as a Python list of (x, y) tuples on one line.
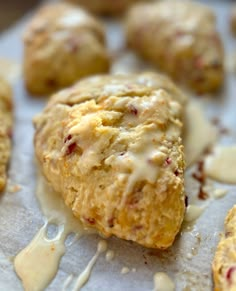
[(110, 255), (67, 282), (162, 282), (193, 212), (37, 264), (125, 270), (84, 276), (219, 193), (199, 133), (189, 256), (221, 165), (9, 69), (73, 18)]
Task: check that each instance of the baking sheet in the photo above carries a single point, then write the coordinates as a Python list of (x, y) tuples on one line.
[(21, 218)]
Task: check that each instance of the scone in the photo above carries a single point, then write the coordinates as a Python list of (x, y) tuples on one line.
[(233, 19), (112, 146), (6, 120), (180, 38), (105, 7), (224, 264), (61, 45)]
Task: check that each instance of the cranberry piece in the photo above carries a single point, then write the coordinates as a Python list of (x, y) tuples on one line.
[(71, 148), (168, 161), (229, 273), (111, 222), (69, 137), (176, 172), (202, 194), (90, 220), (133, 109)]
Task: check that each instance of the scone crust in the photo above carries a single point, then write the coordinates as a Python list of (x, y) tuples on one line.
[(224, 264), (6, 120), (111, 145), (105, 7), (62, 44), (180, 38)]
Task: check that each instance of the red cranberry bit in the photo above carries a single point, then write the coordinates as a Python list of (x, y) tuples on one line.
[(69, 137), (137, 227), (111, 222), (202, 194), (90, 220), (229, 274), (168, 161), (176, 172), (71, 148), (133, 109)]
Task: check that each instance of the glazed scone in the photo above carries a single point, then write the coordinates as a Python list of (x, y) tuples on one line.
[(105, 7), (6, 120), (224, 264), (111, 145), (61, 45), (180, 38), (233, 19)]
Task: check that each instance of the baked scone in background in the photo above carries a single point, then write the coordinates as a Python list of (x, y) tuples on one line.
[(112, 146), (105, 7), (180, 38), (6, 121), (224, 264), (61, 45)]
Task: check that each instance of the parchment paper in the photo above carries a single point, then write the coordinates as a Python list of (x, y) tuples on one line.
[(20, 216)]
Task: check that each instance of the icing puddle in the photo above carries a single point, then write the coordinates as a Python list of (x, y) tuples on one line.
[(38, 263), (162, 282), (221, 164), (199, 133)]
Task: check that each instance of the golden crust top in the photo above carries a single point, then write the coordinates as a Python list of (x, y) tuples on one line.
[(62, 44), (180, 37), (112, 146)]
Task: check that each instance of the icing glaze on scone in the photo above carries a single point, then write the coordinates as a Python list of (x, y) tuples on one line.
[(117, 156)]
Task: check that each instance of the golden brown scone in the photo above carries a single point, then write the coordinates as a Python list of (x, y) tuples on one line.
[(233, 19), (180, 38), (6, 120), (111, 145), (61, 45), (224, 264), (105, 7)]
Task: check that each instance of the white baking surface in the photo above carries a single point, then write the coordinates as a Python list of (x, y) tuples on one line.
[(21, 218)]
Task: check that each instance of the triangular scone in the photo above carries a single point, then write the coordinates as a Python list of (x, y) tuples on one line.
[(112, 146), (224, 264), (181, 39), (6, 119)]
